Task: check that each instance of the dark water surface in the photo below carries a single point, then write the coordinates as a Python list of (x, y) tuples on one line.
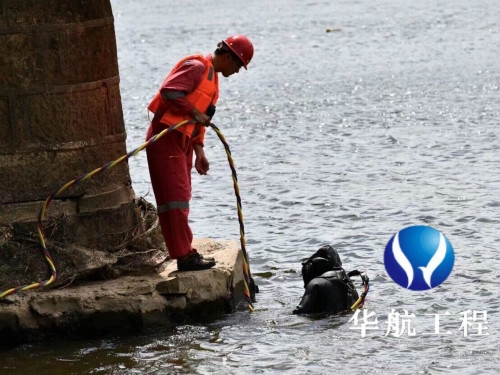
[(341, 137)]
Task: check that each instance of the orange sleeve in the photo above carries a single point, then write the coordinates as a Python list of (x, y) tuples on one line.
[(198, 136)]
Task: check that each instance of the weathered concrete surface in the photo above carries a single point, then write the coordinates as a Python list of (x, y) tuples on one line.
[(128, 303), (61, 117)]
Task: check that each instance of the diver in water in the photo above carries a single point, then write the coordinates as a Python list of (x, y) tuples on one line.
[(329, 288)]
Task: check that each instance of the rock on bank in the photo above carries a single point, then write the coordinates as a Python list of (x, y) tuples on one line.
[(129, 302)]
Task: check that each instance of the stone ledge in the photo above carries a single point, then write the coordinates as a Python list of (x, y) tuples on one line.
[(28, 211), (130, 302)]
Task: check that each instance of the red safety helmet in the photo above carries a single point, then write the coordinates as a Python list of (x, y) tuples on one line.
[(241, 46)]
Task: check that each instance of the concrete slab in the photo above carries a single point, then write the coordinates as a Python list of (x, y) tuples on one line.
[(129, 303)]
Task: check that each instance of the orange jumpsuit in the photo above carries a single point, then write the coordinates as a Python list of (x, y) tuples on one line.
[(170, 159)]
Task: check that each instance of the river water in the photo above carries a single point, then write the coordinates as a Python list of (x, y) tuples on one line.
[(390, 119)]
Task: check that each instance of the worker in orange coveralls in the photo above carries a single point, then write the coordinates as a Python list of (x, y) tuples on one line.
[(189, 92)]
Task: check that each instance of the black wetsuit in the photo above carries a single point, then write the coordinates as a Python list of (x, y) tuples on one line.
[(328, 293), (328, 288)]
